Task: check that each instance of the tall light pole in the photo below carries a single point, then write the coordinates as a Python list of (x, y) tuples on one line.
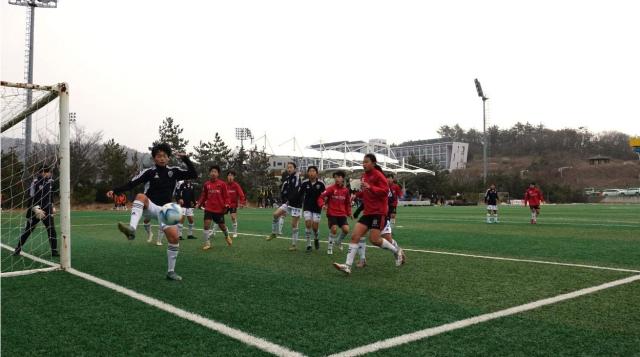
[(28, 71), (243, 134), (484, 130)]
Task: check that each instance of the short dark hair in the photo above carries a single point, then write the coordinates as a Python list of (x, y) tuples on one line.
[(532, 183), (339, 173), (44, 168), (231, 172), (217, 167), (164, 147), (312, 167), (371, 157), (292, 163)]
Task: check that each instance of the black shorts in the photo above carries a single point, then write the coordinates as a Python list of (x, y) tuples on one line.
[(232, 210), (374, 221), (216, 217), (535, 207), (337, 221), (392, 210)]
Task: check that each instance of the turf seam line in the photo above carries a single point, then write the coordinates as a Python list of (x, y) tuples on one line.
[(221, 328), (27, 272), (433, 331)]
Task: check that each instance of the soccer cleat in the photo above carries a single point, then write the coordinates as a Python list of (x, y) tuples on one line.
[(362, 263), (228, 240), (343, 268), (532, 221), (330, 251), (173, 276), (235, 235), (149, 237), (206, 246), (190, 236), (309, 249), (158, 243), (400, 258), (17, 252), (316, 243), (293, 248), (127, 231), (271, 236)]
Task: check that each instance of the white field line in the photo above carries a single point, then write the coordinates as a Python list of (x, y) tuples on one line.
[(32, 257), (522, 222), (433, 331), (27, 272)]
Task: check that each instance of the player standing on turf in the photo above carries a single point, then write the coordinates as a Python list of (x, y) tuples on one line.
[(533, 197), (160, 181), (292, 204), (311, 190), (236, 197), (215, 201), (186, 198), (374, 193), (491, 199), (40, 209), (397, 193), (337, 198)]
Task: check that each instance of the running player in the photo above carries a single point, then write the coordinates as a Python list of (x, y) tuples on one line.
[(236, 197), (311, 190), (337, 198), (215, 201), (292, 205)]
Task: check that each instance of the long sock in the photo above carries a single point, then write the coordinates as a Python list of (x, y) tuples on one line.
[(307, 235), (294, 236), (280, 224), (207, 234), (172, 255), (274, 225), (315, 235), (147, 227), (341, 237), (388, 246), (394, 243), (136, 214), (160, 234), (332, 237), (180, 228), (393, 222), (235, 228), (353, 249), (362, 247), (488, 218), (533, 216), (190, 229), (226, 232)]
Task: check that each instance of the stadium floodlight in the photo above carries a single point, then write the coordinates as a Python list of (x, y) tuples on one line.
[(484, 130), (243, 134), (31, 4)]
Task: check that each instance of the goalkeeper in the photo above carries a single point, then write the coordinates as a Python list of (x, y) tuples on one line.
[(40, 209)]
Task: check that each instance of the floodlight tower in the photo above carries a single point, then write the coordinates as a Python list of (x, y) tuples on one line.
[(484, 130), (28, 70), (243, 134)]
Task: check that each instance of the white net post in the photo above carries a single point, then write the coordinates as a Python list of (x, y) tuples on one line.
[(23, 179)]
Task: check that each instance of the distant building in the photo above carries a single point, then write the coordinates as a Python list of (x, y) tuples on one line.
[(599, 160), (450, 155)]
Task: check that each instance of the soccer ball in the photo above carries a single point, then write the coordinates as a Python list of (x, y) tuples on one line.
[(170, 214)]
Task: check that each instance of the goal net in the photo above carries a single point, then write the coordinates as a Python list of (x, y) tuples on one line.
[(35, 197)]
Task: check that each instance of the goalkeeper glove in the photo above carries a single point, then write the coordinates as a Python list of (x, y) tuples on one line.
[(38, 212)]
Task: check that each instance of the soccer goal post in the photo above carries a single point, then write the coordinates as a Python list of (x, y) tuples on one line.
[(35, 171)]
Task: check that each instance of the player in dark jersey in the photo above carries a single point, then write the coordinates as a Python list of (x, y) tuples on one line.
[(292, 204), (186, 197), (160, 181), (40, 209), (310, 191), (491, 199)]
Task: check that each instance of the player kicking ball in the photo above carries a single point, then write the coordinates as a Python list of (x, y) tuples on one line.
[(491, 199), (215, 201), (533, 197), (160, 181), (337, 199)]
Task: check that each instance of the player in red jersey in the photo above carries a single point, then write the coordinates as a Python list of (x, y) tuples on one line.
[(215, 201), (533, 197), (236, 197), (397, 193), (337, 199), (374, 193)]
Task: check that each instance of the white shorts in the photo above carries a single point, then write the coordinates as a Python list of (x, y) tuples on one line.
[(308, 216), (187, 212), (387, 228), (153, 212), (492, 208), (293, 211)]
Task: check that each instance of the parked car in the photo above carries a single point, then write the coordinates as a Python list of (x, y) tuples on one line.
[(632, 191), (590, 191), (613, 192)]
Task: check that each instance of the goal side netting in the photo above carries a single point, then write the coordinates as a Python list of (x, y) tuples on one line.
[(35, 178)]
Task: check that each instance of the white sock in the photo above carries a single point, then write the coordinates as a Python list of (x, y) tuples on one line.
[(294, 236), (331, 239), (362, 247), (395, 244), (180, 227), (393, 222), (160, 234), (207, 234), (388, 246), (307, 236), (147, 228), (172, 255), (353, 249), (280, 224), (190, 229), (341, 237), (274, 225), (488, 218), (235, 228), (136, 214)]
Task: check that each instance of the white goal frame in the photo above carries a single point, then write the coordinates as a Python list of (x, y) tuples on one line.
[(61, 91)]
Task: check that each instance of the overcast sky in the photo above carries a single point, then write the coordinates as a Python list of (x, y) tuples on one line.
[(333, 70)]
